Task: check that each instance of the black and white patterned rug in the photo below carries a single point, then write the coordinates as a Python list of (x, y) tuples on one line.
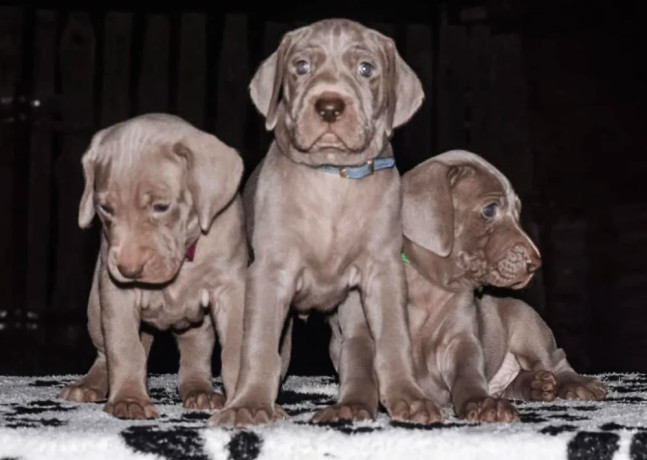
[(34, 424)]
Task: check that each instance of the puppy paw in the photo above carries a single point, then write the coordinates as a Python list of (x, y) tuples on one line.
[(78, 392), (343, 412), (584, 388), (250, 415), (542, 386), (131, 408), (490, 409), (202, 400), (413, 408)]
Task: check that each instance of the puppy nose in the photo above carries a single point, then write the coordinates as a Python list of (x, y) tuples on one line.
[(533, 264), (132, 271), (330, 108)]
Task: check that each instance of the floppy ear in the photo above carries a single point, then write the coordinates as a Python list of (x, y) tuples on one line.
[(404, 93), (86, 206), (427, 208), (214, 171), (265, 88)]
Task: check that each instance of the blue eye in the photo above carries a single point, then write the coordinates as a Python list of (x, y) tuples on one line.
[(302, 67), (489, 211), (365, 69), (159, 207)]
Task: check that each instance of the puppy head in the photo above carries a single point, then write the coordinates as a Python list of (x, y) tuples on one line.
[(459, 206), (155, 181), (336, 89)]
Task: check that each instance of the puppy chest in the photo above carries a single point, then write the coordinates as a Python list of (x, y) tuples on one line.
[(164, 311), (323, 290)]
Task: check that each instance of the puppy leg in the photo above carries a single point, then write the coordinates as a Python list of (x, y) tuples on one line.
[(196, 345), (94, 385), (126, 355), (267, 300), (383, 300), (465, 376), (227, 313), (352, 352), (533, 344)]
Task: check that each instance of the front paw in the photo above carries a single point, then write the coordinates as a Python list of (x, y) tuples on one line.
[(204, 400), (412, 407), (131, 408), (348, 411), (78, 392), (585, 388), (247, 415), (489, 409), (542, 386)]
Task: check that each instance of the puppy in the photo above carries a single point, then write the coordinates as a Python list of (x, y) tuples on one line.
[(461, 227), (323, 212), (173, 255)]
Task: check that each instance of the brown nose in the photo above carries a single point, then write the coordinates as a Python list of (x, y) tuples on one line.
[(533, 264), (131, 271), (330, 108)]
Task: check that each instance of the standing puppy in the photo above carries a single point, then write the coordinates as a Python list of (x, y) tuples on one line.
[(461, 227), (324, 212), (172, 255)]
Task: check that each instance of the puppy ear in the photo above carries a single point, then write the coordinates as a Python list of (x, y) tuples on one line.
[(265, 88), (427, 208), (214, 171), (88, 161), (404, 93)]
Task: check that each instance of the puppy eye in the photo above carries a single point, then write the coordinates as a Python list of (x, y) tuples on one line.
[(489, 211), (160, 207), (302, 67), (106, 209), (365, 69)]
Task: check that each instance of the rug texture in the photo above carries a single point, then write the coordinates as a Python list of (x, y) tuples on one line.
[(34, 424)]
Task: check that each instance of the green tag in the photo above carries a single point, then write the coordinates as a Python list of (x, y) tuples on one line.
[(404, 258)]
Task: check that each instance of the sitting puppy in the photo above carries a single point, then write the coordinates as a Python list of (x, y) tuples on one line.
[(323, 214), (461, 227), (172, 255)]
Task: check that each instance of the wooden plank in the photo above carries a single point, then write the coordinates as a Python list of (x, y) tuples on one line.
[(154, 80), (116, 69), (233, 95), (453, 49), (74, 254), (510, 139), (416, 134), (40, 159), (192, 85), (11, 25), (480, 101)]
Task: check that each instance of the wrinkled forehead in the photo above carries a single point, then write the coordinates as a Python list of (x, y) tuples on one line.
[(152, 168), (334, 37), (485, 183)]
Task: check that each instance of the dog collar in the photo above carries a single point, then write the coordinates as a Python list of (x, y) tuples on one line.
[(359, 171), (190, 251)]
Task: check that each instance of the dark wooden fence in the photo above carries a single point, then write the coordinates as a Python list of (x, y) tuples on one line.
[(65, 74)]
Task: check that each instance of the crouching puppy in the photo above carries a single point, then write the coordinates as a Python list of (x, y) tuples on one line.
[(323, 217), (172, 255), (461, 227)]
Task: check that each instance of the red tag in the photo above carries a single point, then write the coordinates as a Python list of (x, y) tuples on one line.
[(190, 252)]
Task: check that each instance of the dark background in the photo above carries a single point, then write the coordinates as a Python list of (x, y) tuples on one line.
[(551, 92)]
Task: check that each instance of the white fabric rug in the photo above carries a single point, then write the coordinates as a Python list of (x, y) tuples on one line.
[(34, 424)]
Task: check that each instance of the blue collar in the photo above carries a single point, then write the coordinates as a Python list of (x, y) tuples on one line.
[(359, 171)]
